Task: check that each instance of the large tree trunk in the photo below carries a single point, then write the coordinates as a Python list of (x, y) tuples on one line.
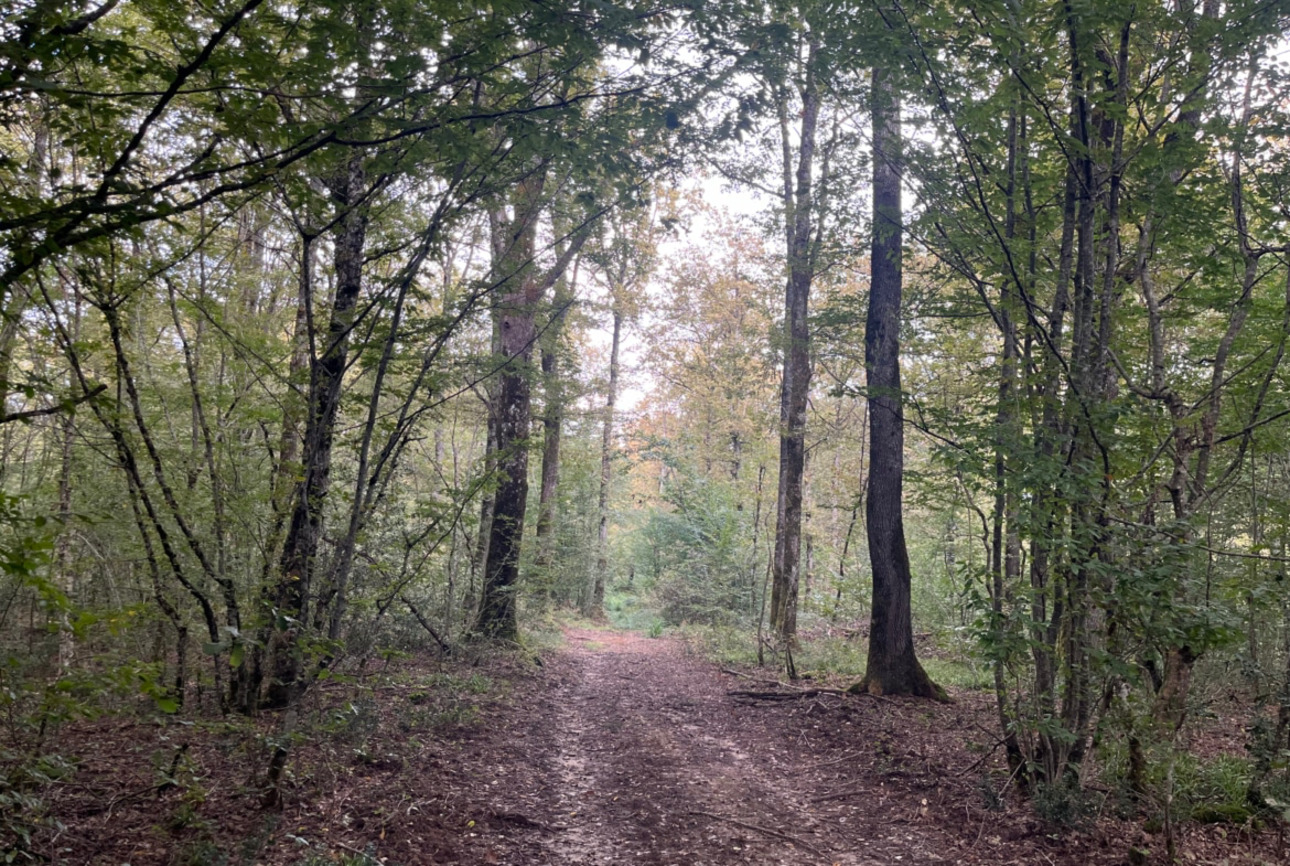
[(497, 611), (892, 667), (514, 245), (799, 213), (523, 284), (596, 604), (297, 564)]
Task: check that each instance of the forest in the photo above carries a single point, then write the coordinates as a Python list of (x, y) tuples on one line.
[(660, 431)]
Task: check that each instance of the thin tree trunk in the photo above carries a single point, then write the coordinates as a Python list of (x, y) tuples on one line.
[(1190, 483), (479, 556), (754, 559), (62, 566), (246, 684), (597, 603), (1005, 566), (799, 216), (552, 429), (297, 565)]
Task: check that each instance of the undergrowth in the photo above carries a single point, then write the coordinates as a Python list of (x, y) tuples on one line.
[(834, 655), (630, 611)]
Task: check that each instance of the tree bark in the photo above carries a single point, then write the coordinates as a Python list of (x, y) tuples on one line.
[(596, 604), (552, 430), (523, 284), (515, 245), (291, 594), (799, 215), (893, 667)]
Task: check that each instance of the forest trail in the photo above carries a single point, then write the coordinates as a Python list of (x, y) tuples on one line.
[(619, 749), (634, 753)]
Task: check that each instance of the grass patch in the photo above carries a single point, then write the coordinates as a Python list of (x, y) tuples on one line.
[(834, 656), (1205, 790), (831, 656), (725, 645), (448, 700), (632, 612), (958, 673), (543, 636), (1213, 791), (475, 684)]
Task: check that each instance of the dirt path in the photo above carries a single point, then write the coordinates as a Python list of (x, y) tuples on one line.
[(641, 760), (628, 750), (620, 750), (634, 753)]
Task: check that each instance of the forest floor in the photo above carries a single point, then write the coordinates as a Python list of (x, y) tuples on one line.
[(619, 748)]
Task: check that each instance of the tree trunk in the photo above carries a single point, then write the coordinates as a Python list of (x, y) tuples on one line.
[(516, 274), (246, 683), (596, 604), (892, 666), (1005, 563), (62, 566), (552, 430), (479, 556), (799, 214), (297, 565), (515, 245)]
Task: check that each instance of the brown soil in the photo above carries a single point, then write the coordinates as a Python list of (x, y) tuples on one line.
[(620, 749)]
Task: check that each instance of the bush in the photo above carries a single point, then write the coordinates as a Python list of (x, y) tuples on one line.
[(1065, 805)]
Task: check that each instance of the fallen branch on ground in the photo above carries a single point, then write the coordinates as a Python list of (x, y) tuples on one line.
[(779, 696), (776, 833), (838, 795), (425, 624), (745, 676), (786, 692)]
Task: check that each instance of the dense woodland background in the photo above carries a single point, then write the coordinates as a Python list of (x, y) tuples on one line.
[(338, 328)]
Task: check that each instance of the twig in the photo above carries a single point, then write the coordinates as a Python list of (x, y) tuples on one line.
[(981, 760), (838, 795), (979, 833), (788, 694), (125, 798), (845, 757), (745, 676), (425, 624), (64, 406), (525, 821), (777, 834)]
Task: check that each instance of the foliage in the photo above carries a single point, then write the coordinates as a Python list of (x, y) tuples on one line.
[(253, 276)]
